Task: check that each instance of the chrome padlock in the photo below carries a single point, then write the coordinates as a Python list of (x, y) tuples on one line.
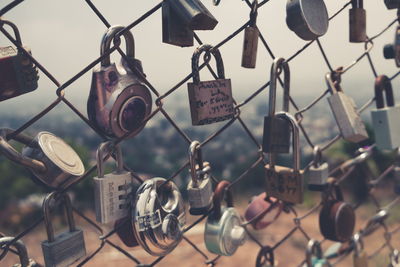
[(199, 188), (392, 51), (210, 101), (24, 260), (111, 191), (360, 258), (65, 248), (286, 183), (159, 216), (223, 233), (358, 22), (392, 4), (385, 119), (314, 257), (52, 162), (18, 73), (276, 136), (345, 111), (318, 173), (250, 42), (395, 258), (119, 101), (265, 257)]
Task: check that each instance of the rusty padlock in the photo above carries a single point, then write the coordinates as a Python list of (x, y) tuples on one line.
[(250, 42), (358, 22)]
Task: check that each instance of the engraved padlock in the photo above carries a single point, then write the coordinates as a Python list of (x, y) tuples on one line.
[(111, 191), (358, 22), (276, 136), (360, 258), (66, 248), (336, 218), (199, 188), (392, 4), (210, 101), (286, 183), (385, 118), (223, 233), (265, 257), (318, 172), (394, 258), (24, 260), (18, 73), (314, 256), (119, 101), (250, 42), (392, 51), (159, 216), (52, 162), (345, 111)]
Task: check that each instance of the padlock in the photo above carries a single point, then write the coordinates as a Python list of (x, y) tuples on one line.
[(392, 4), (276, 136), (265, 257), (360, 258), (174, 32), (223, 233), (345, 111), (395, 258), (24, 260), (159, 216), (385, 119), (286, 183), (199, 188), (392, 51), (358, 22), (336, 218), (119, 101), (250, 42), (111, 191), (52, 161), (210, 101), (314, 256), (66, 248), (318, 172), (18, 73)]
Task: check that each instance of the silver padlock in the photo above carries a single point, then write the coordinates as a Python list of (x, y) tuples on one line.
[(250, 42), (65, 248), (385, 118), (314, 256), (318, 173), (223, 233), (111, 191), (24, 259), (345, 111), (159, 216), (199, 188), (395, 258), (392, 51)]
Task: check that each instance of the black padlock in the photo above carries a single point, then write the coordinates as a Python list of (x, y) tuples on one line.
[(357, 20)]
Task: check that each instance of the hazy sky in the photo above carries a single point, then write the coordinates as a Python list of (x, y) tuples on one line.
[(65, 37)]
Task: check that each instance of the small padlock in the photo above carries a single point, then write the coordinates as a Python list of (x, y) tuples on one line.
[(223, 233), (314, 256), (286, 183), (358, 22), (119, 101), (392, 51), (18, 73), (24, 260), (360, 258), (66, 248), (111, 191), (199, 188), (265, 257), (395, 258), (392, 4), (210, 101), (276, 136), (159, 216), (345, 111), (385, 119), (318, 173), (250, 42)]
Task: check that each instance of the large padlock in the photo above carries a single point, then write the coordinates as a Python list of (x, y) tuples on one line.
[(394, 258), (265, 257), (318, 172), (199, 188), (24, 260), (18, 73), (66, 248), (276, 136), (360, 258), (392, 51), (223, 233), (111, 191), (358, 22), (52, 161), (286, 183), (385, 119), (119, 101), (345, 111), (210, 101), (159, 216), (250, 42), (392, 4), (314, 256)]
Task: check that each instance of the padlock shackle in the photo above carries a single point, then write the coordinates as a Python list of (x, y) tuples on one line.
[(357, 3), (109, 35), (333, 81), (12, 154), (104, 148), (313, 249), (253, 14), (266, 253), (208, 49), (278, 65), (317, 156), (21, 248), (195, 157), (383, 84), (14, 28), (219, 194)]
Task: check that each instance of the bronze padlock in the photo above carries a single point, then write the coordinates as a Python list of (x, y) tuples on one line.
[(250, 42), (358, 22)]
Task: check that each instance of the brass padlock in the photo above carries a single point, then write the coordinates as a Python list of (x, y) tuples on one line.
[(210, 101), (392, 51), (24, 259), (360, 258), (265, 257), (18, 73), (250, 42), (358, 22)]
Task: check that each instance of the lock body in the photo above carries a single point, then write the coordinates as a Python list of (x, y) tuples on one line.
[(386, 127), (276, 135), (317, 177), (358, 26), (200, 196), (250, 45)]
